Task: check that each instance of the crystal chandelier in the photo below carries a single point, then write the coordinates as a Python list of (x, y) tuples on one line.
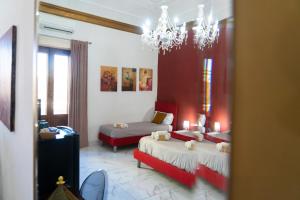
[(206, 31), (166, 35)]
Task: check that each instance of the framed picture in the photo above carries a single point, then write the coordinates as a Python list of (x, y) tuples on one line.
[(146, 77), (109, 79), (8, 43), (128, 79)]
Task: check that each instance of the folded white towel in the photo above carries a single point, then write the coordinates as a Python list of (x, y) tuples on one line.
[(223, 147), (160, 135), (199, 136), (153, 135), (190, 145), (120, 125)]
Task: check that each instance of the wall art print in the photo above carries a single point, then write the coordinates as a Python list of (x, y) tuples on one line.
[(109, 79), (128, 79), (8, 44), (145, 80)]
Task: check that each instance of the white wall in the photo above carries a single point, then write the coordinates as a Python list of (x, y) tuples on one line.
[(16, 149), (137, 12), (188, 11), (114, 48)]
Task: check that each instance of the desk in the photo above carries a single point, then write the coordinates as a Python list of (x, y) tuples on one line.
[(58, 157)]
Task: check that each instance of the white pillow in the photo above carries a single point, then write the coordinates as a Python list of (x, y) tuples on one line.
[(202, 119), (168, 119)]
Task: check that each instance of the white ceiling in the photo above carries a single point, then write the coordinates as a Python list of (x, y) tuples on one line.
[(138, 11)]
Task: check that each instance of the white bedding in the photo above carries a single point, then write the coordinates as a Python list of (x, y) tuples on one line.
[(209, 156), (174, 152)]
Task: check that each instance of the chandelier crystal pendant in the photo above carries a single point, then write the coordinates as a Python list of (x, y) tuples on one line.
[(206, 32), (166, 35)]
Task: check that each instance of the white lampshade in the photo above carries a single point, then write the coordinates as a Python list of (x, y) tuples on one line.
[(217, 126), (186, 125)]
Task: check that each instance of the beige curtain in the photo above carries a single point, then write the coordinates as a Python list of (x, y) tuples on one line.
[(78, 90)]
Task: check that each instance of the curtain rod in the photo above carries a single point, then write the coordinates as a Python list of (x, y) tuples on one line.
[(58, 37)]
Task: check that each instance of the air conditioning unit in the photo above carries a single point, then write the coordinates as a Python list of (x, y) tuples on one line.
[(56, 28)]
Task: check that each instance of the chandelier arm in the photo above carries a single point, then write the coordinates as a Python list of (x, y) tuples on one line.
[(206, 32), (166, 35)]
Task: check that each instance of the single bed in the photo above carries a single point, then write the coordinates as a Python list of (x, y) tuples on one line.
[(117, 137), (174, 160), (166, 157)]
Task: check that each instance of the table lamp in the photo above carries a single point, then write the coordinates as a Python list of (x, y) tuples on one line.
[(186, 125), (217, 126)]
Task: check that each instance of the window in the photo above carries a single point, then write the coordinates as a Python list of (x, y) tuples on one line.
[(207, 85), (52, 73), (42, 75), (60, 89)]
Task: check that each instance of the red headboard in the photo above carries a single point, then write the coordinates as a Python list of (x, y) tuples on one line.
[(169, 108)]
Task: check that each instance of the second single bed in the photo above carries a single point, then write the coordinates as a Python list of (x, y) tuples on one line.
[(173, 159)]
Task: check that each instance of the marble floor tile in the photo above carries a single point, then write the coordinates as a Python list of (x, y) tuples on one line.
[(127, 182)]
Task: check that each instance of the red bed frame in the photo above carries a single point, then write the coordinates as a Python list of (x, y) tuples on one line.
[(213, 177), (176, 173), (188, 138), (117, 142), (214, 139), (182, 137)]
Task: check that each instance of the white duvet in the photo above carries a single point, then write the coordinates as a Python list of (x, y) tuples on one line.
[(174, 152), (209, 156)]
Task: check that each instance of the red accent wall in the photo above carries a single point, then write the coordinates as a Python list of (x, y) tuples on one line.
[(180, 74)]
